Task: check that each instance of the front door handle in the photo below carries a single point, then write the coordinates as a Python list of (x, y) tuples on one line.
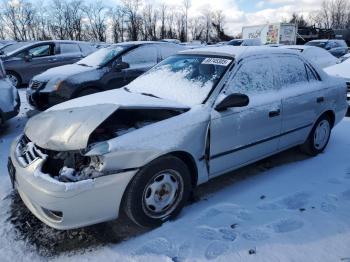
[(275, 113), (320, 99)]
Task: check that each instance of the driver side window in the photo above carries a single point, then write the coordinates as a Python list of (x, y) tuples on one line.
[(144, 56), (40, 51), (255, 76)]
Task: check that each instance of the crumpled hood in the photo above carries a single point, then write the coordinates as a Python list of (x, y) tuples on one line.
[(68, 126), (63, 72)]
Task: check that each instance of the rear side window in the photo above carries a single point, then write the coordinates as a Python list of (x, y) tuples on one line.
[(69, 48), (291, 70), (143, 56), (254, 76), (311, 74)]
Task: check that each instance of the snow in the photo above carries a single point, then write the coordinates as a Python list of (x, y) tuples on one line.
[(340, 70), (170, 85), (289, 208)]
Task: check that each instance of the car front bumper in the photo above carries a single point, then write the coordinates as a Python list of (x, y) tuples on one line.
[(14, 112), (43, 100), (81, 204)]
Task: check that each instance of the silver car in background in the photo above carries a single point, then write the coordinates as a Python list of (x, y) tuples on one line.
[(9, 98), (194, 116)]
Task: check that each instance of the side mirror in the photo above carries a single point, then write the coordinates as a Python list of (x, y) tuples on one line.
[(233, 100), (28, 58), (120, 65)]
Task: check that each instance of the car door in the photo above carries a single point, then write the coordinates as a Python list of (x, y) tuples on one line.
[(40, 58), (140, 60), (69, 53), (242, 135), (303, 99)]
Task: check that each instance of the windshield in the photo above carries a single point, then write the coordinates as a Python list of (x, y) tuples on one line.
[(187, 79), (11, 48), (317, 43), (235, 42), (102, 56)]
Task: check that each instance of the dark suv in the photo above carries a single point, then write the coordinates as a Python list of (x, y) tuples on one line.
[(108, 68), (34, 58)]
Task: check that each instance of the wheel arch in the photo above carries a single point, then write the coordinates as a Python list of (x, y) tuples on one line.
[(330, 114), (15, 73)]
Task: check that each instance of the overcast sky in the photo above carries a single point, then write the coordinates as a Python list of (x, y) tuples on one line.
[(251, 12)]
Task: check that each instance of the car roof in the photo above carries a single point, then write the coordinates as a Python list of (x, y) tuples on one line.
[(144, 42), (237, 52)]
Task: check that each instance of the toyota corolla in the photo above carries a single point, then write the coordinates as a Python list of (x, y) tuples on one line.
[(194, 116)]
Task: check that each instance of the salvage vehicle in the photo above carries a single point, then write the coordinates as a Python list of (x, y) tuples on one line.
[(9, 98), (318, 55), (109, 68), (196, 115), (33, 58)]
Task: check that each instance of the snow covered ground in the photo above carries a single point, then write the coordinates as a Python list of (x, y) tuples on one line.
[(287, 208)]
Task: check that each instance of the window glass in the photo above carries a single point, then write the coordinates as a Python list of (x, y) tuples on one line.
[(144, 56), (40, 51), (311, 75), (169, 50), (87, 49), (69, 48), (292, 70), (254, 76)]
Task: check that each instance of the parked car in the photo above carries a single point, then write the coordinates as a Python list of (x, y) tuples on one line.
[(194, 116), (108, 68), (315, 54), (341, 70), (9, 98), (245, 42), (336, 47), (344, 57), (34, 58)]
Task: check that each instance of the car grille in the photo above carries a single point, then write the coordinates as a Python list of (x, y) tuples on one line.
[(36, 84), (27, 152)]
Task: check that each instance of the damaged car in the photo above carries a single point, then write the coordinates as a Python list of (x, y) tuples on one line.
[(143, 148)]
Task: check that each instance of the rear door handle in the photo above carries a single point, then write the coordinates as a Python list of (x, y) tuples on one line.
[(275, 113), (320, 99)]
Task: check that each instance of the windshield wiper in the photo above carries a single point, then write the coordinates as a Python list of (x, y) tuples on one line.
[(151, 95), (85, 65)]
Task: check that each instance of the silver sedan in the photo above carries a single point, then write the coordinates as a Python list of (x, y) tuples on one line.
[(194, 116)]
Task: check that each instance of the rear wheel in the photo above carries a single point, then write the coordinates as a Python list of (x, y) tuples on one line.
[(158, 192), (319, 136), (14, 78)]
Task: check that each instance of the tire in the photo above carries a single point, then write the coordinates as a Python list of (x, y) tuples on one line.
[(14, 78), (158, 192), (87, 91), (319, 137)]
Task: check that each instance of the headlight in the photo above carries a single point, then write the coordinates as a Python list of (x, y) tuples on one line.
[(58, 85)]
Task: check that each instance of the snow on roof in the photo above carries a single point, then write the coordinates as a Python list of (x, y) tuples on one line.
[(236, 51)]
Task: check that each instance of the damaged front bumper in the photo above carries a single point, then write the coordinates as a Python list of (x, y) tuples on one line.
[(67, 205)]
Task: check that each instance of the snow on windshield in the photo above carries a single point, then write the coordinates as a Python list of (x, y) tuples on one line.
[(187, 79), (102, 56)]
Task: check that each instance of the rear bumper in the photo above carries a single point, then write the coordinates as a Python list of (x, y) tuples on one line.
[(68, 205), (14, 112)]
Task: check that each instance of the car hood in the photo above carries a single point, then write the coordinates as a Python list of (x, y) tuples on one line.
[(68, 126), (63, 72)]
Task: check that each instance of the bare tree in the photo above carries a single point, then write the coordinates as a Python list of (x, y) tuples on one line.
[(131, 8), (186, 6)]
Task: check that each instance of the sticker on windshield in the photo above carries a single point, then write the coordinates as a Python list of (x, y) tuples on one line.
[(216, 61)]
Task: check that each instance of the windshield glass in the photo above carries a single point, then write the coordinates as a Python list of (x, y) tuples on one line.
[(187, 79), (12, 48), (102, 56), (235, 42), (318, 44)]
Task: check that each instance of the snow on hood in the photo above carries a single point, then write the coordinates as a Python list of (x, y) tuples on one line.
[(62, 72), (68, 126), (119, 97), (340, 70)]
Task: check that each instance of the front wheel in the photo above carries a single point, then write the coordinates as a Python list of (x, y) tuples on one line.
[(319, 137), (158, 192)]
